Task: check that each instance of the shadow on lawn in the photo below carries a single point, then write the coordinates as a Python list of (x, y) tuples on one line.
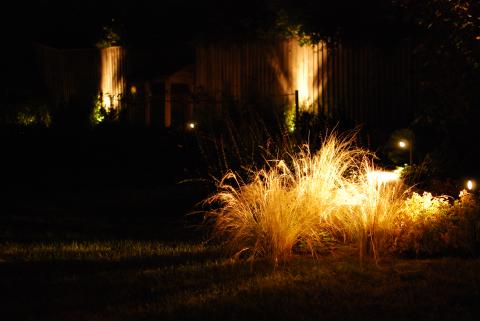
[(333, 291), (99, 214), (87, 290)]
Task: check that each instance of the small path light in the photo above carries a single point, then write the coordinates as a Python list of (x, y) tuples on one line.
[(404, 144), (470, 185), (133, 90)]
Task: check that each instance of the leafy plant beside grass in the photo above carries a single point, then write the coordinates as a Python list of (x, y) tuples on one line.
[(438, 225), (26, 114)]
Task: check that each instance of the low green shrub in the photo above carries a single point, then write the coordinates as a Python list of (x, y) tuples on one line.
[(437, 225)]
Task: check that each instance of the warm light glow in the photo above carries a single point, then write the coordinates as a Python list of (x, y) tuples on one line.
[(301, 70), (402, 144), (112, 81), (133, 90), (304, 59), (383, 177), (349, 196), (191, 125), (107, 102), (470, 185)]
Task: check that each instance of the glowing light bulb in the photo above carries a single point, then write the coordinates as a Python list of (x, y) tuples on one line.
[(402, 144), (107, 101), (470, 185), (191, 125)]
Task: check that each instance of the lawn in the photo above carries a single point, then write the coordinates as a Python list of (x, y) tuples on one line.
[(120, 277)]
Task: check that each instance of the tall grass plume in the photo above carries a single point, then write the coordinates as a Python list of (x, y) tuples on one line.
[(371, 219), (289, 204)]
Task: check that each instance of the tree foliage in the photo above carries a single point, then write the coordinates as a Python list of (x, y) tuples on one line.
[(312, 21), (110, 36), (448, 53)]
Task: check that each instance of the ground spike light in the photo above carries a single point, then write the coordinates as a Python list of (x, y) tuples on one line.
[(404, 144), (470, 185)]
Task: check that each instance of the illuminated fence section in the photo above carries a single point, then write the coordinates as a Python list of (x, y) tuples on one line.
[(364, 83), (72, 74), (258, 70), (112, 80), (308, 73)]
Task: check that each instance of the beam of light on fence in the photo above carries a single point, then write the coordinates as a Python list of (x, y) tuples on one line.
[(306, 68), (112, 81), (302, 71)]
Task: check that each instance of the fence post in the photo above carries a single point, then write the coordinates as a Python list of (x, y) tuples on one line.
[(168, 105), (297, 111)]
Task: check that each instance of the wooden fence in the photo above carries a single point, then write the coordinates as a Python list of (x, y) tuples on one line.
[(368, 84), (82, 73)]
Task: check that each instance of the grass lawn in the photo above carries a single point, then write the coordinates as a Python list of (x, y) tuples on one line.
[(120, 278)]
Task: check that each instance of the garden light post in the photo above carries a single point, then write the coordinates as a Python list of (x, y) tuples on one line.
[(404, 144)]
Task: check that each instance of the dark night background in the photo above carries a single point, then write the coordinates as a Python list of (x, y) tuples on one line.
[(175, 26), (448, 51)]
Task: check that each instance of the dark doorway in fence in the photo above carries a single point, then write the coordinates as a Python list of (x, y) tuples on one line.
[(181, 105), (157, 105)]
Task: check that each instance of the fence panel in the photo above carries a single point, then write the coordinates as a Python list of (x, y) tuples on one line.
[(367, 84)]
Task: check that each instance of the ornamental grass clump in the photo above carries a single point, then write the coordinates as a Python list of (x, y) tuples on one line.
[(370, 218), (286, 206)]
